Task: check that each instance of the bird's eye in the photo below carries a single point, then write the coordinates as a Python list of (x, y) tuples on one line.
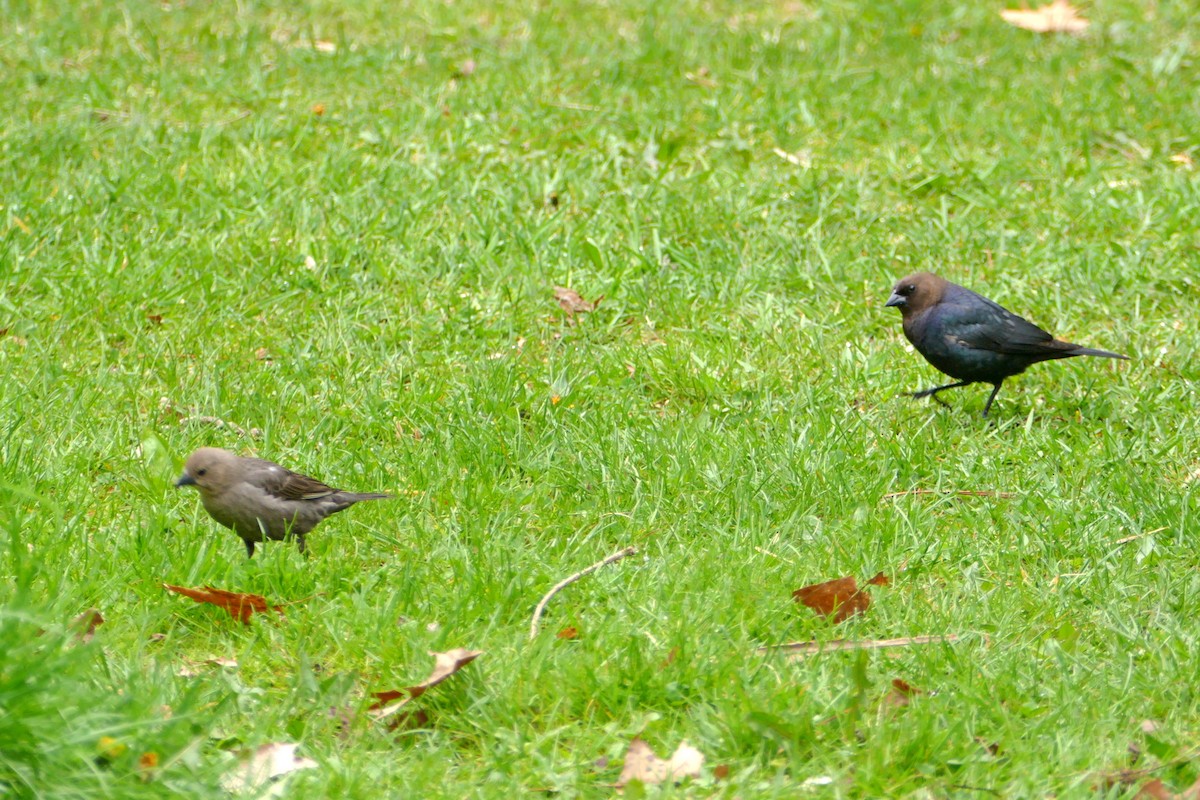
[(909, 289), (201, 472)]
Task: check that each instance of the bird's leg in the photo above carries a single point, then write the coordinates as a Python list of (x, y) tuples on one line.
[(933, 392), (249, 547), (300, 543), (991, 397)]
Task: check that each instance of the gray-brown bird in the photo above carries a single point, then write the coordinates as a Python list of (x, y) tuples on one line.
[(970, 338), (261, 500)]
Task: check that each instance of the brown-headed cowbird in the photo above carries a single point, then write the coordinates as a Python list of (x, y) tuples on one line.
[(969, 337), (260, 500)]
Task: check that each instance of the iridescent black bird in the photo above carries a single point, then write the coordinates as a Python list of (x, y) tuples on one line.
[(970, 338)]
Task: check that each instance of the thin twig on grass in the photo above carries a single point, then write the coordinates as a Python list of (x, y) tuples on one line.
[(253, 433), (1136, 536), (958, 492), (797, 650), (558, 587)]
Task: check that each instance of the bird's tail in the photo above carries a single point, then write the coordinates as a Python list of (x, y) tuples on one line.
[(1091, 351), (357, 497)]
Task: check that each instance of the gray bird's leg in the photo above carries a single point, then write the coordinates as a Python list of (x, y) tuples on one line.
[(992, 397), (933, 392), (301, 544), (249, 547)]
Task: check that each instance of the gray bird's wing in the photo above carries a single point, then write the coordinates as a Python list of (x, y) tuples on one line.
[(285, 484), (986, 325)]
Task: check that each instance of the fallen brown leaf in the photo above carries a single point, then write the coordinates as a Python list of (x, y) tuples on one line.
[(571, 301), (1058, 17), (268, 762), (147, 764), (445, 665), (721, 772), (1154, 790), (86, 623), (568, 633), (840, 598), (642, 765), (901, 693), (239, 605)]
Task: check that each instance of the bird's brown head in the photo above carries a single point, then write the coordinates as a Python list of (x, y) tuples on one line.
[(917, 292), (209, 469)]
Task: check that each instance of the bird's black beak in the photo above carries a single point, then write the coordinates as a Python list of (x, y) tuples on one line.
[(895, 300), (185, 480)]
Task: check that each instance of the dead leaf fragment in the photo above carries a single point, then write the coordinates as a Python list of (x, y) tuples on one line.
[(86, 623), (1154, 790), (901, 693), (445, 665), (879, 580), (147, 764), (721, 772), (1057, 17), (571, 301), (263, 354), (322, 46), (1182, 159), (318, 109), (840, 598), (568, 633), (263, 766), (239, 605), (642, 765)]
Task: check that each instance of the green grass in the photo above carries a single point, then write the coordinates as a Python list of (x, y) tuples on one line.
[(735, 406)]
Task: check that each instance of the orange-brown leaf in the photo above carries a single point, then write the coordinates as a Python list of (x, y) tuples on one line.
[(840, 598), (572, 302), (568, 633), (446, 664), (901, 694), (86, 623), (239, 604)]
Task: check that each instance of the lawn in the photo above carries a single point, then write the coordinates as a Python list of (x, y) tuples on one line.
[(340, 224)]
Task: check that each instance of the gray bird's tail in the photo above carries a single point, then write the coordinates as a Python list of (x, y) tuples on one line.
[(356, 497)]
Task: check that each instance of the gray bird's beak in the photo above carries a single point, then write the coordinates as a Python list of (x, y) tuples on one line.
[(185, 480), (895, 300)]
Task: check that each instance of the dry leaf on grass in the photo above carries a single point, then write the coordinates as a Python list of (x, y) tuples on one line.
[(264, 765), (572, 302), (901, 693), (840, 598), (445, 665), (1058, 17), (567, 633), (239, 605), (642, 765), (86, 623)]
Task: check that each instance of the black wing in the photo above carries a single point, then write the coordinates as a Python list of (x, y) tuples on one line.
[(985, 325)]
